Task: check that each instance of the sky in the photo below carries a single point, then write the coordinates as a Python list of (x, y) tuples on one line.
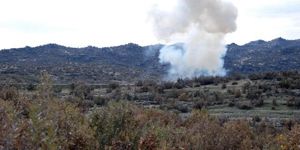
[(101, 23)]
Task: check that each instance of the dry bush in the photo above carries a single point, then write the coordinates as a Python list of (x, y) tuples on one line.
[(46, 122), (183, 97), (9, 93), (56, 124), (202, 132), (149, 142), (290, 140), (48, 125), (45, 87), (237, 135)]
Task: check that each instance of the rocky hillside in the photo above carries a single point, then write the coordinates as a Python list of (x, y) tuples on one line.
[(128, 62), (131, 62), (261, 56)]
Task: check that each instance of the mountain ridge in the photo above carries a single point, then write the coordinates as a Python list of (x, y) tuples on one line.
[(131, 62)]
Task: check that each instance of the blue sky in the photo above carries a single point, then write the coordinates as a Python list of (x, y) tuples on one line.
[(79, 23)]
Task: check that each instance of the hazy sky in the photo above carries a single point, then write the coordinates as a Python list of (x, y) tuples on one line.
[(79, 23)]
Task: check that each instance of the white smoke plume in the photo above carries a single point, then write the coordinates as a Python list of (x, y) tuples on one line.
[(200, 25)]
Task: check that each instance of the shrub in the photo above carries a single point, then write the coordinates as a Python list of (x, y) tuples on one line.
[(224, 86), (293, 102), (167, 85), (244, 105), (149, 142), (108, 90), (49, 125), (253, 93), (81, 90), (45, 87), (113, 85), (255, 76), (237, 93), (296, 84), (182, 108), (235, 83), (238, 135), (9, 93), (173, 94), (290, 140), (31, 87), (183, 97), (179, 85), (274, 102), (231, 104), (115, 124), (218, 97), (144, 89), (207, 80), (256, 119), (270, 76), (285, 84), (246, 87), (160, 90), (61, 124), (258, 102), (198, 105), (100, 101), (139, 83), (202, 132)]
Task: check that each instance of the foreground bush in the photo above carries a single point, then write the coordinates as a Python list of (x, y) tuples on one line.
[(43, 124), (125, 126), (57, 124)]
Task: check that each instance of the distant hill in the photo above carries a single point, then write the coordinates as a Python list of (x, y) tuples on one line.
[(131, 62), (128, 62), (261, 56)]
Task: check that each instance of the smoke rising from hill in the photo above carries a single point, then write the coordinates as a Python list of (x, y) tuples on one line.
[(201, 26)]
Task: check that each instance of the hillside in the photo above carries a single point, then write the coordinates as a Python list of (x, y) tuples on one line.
[(128, 62), (261, 56), (131, 62)]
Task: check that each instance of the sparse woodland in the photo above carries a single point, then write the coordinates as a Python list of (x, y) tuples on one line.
[(150, 115)]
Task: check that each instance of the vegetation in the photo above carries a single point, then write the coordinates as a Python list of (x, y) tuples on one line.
[(41, 119)]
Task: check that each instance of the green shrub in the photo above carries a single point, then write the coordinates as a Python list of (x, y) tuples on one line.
[(115, 124), (80, 90)]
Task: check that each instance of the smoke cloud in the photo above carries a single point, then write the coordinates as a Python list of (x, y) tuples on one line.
[(194, 31)]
